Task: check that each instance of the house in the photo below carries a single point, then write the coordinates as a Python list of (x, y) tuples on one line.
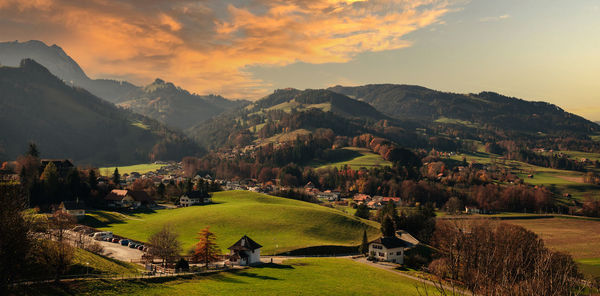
[(329, 195), (125, 198), (374, 204), (391, 249), (63, 166), (361, 198), (73, 208), (395, 200), (194, 198), (245, 252)]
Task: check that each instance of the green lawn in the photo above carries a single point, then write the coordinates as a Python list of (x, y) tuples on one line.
[(368, 159), (99, 264), (322, 276), (589, 266), (140, 168), (279, 224)]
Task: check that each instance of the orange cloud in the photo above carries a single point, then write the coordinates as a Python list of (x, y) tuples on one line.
[(205, 46)]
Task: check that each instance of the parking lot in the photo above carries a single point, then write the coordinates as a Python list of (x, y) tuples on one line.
[(112, 250)]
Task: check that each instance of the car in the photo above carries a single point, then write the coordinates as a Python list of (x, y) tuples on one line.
[(132, 245), (115, 240), (141, 248), (124, 242)]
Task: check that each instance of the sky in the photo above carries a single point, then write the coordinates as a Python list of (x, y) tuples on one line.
[(546, 50)]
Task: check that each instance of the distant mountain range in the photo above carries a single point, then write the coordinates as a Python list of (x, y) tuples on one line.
[(175, 106), (486, 109), (68, 122)]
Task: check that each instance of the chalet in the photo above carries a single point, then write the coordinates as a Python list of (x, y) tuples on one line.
[(391, 249), (194, 198), (329, 195), (73, 208), (309, 185), (361, 198), (245, 252), (125, 198), (374, 204), (395, 200), (63, 166)]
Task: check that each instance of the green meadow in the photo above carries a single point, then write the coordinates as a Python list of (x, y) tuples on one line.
[(279, 224), (140, 168), (313, 276), (367, 159)]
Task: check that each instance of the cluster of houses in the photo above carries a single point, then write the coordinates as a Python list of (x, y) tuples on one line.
[(375, 202), (327, 195)]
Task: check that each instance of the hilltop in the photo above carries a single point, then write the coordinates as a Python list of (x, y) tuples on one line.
[(175, 106), (483, 110), (68, 122)]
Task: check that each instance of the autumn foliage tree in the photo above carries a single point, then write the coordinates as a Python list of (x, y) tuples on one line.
[(206, 250)]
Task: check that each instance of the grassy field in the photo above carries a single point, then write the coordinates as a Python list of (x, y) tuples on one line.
[(140, 168), (578, 237), (323, 276), (368, 159), (279, 224), (99, 264)]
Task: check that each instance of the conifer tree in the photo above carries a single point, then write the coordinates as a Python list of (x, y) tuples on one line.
[(116, 177), (206, 249), (364, 246)]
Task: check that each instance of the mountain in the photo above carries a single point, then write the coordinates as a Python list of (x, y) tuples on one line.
[(486, 109), (175, 106), (69, 122), (288, 113), (63, 66)]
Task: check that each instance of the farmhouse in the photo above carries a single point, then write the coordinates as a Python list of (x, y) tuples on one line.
[(391, 249), (63, 166), (194, 198), (125, 198), (245, 252), (73, 208), (361, 198)]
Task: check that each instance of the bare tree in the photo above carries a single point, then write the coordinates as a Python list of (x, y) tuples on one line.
[(164, 244)]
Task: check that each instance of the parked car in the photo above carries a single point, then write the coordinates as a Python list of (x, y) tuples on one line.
[(115, 240), (124, 242), (140, 247), (102, 235), (132, 245)]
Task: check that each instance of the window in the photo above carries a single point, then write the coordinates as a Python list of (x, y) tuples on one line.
[(381, 254), (399, 253)]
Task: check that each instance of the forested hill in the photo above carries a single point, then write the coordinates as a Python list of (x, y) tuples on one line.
[(483, 109), (177, 107), (64, 67), (72, 123)]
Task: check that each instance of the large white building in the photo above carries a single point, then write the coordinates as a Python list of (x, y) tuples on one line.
[(245, 252), (391, 249), (194, 198)]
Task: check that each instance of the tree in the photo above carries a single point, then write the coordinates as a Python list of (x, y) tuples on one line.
[(15, 241), (182, 265), (116, 178), (206, 249), (51, 183), (33, 150), (362, 211), (161, 190), (364, 246), (92, 179), (164, 244), (387, 227), (55, 252)]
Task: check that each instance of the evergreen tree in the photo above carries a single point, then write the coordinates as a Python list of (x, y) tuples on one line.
[(93, 179), (74, 183), (116, 177), (364, 246), (206, 249), (50, 181), (362, 211), (33, 150), (387, 227), (161, 190)]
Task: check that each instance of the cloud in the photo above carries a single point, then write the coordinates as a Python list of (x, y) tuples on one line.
[(494, 18), (206, 46)]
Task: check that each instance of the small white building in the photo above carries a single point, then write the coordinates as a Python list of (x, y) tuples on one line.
[(390, 249), (194, 198), (245, 252)]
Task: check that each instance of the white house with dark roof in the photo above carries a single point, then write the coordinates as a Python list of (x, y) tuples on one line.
[(245, 252), (391, 249)]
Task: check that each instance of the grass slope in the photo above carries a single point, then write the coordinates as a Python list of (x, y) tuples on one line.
[(368, 159), (323, 276), (578, 237), (99, 264), (278, 224), (140, 168)]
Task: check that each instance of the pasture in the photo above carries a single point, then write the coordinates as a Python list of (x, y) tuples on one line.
[(367, 159), (314, 276), (140, 168), (279, 224)]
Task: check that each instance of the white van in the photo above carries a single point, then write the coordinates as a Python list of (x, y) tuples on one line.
[(102, 235)]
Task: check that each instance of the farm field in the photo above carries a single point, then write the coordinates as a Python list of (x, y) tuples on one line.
[(279, 224), (578, 237), (368, 159), (140, 168), (314, 276)]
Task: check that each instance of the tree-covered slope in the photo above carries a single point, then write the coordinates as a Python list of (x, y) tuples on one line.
[(175, 106), (485, 108), (72, 123)]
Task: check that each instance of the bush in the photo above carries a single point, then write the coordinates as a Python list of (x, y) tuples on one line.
[(182, 265)]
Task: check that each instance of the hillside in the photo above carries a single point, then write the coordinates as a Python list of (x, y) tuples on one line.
[(64, 67), (277, 223), (471, 110), (175, 106), (289, 110), (72, 123)]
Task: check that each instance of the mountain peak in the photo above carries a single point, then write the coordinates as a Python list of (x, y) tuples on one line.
[(158, 81)]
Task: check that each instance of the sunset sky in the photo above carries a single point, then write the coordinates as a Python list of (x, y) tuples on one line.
[(534, 49)]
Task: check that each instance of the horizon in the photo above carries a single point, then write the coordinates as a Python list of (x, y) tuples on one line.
[(246, 50)]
